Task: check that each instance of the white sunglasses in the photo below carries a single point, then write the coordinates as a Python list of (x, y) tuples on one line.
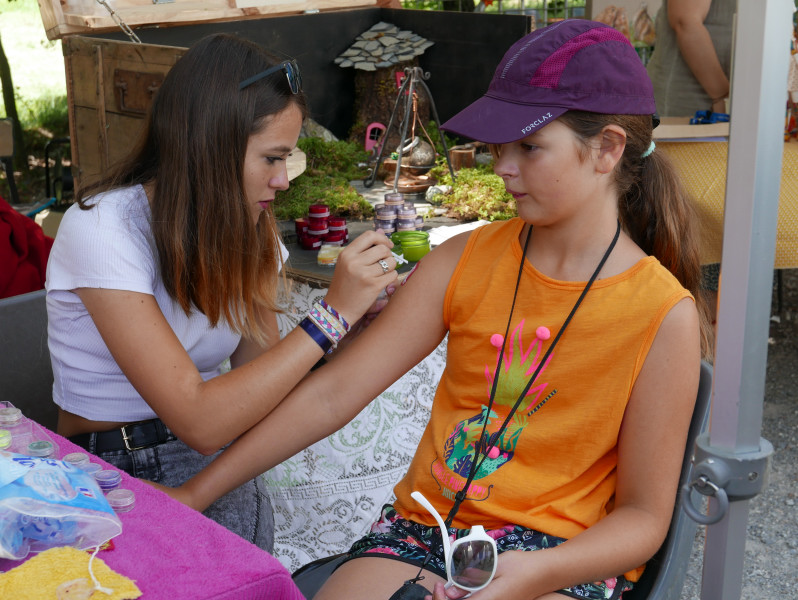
[(470, 560)]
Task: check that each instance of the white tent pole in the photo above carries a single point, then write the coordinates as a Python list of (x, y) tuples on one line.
[(756, 145)]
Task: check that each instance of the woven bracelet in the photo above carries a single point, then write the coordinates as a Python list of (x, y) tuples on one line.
[(323, 316), (334, 313)]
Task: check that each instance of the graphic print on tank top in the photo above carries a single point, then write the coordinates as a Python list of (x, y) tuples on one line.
[(518, 365)]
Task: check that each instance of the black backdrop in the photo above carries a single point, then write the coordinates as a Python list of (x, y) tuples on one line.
[(468, 46)]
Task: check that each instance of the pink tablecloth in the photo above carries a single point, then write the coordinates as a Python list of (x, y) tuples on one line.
[(173, 552)]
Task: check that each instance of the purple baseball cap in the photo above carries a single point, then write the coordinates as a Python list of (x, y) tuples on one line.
[(572, 65)]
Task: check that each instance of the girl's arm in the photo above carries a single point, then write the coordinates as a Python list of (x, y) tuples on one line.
[(407, 330), (650, 452), (686, 18), (206, 415)]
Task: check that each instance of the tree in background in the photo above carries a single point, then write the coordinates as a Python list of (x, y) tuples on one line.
[(10, 104)]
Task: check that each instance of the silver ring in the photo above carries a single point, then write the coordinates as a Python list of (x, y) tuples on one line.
[(384, 265)]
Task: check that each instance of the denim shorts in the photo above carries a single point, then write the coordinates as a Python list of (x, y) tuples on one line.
[(395, 537), (246, 511)]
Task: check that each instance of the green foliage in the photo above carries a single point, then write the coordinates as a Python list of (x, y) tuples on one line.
[(47, 113), (330, 168), (435, 136), (477, 193)]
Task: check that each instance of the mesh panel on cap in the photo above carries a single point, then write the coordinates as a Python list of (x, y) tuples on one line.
[(549, 73)]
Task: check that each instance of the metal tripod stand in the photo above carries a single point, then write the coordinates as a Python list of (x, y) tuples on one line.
[(414, 78)]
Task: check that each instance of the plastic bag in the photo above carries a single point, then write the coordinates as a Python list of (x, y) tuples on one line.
[(46, 503)]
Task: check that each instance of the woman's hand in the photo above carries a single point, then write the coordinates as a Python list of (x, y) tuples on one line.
[(360, 276)]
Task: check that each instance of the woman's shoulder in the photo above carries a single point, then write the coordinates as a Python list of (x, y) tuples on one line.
[(105, 209)]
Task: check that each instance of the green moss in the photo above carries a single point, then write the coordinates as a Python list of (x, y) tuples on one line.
[(330, 168), (477, 193)]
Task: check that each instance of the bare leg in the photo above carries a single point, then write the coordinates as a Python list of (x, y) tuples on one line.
[(371, 578)]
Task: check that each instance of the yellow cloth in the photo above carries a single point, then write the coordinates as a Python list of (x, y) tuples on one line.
[(702, 167), (553, 470), (40, 577)]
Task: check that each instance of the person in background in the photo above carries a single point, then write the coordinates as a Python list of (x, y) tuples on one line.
[(24, 250), (690, 70), (169, 264), (691, 63), (573, 356)]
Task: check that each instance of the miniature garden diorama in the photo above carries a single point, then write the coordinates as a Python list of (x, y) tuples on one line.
[(394, 133)]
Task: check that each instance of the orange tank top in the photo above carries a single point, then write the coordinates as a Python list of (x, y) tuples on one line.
[(553, 470)]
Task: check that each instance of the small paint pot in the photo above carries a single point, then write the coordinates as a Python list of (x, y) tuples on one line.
[(108, 479), (336, 223), (310, 242), (5, 439), (10, 416), (384, 211), (406, 212), (91, 468), (300, 226), (394, 199), (41, 449), (319, 211), (405, 225), (121, 500), (76, 459)]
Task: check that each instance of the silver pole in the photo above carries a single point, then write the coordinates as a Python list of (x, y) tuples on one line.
[(756, 145)]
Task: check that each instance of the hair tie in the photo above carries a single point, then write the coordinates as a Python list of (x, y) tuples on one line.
[(649, 151)]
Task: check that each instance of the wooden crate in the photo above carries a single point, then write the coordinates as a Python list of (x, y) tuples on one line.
[(111, 79)]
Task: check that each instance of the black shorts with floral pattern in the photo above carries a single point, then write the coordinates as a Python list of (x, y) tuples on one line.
[(410, 542)]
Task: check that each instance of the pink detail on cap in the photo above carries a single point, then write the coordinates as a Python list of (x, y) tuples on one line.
[(549, 72), (543, 333)]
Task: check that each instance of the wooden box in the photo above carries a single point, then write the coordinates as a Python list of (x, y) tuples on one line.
[(111, 79)]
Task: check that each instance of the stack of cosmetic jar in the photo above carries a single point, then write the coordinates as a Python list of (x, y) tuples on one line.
[(396, 215), (121, 500), (320, 228), (107, 479)]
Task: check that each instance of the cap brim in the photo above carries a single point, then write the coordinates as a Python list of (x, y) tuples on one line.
[(495, 121)]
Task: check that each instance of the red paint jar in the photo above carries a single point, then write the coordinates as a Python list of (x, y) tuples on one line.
[(319, 211)]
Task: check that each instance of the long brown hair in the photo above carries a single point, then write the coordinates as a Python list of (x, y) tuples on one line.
[(654, 208), (191, 153)]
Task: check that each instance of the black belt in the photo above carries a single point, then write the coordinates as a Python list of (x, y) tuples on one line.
[(134, 436)]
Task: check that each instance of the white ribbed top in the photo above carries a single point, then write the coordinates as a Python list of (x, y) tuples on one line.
[(111, 246)]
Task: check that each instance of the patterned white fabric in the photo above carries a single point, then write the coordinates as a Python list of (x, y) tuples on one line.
[(327, 496)]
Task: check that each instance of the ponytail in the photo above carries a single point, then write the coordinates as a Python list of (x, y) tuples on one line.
[(653, 206)]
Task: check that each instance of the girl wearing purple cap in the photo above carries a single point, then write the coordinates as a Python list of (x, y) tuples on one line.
[(574, 347)]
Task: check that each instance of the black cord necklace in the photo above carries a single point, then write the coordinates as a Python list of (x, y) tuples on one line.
[(485, 443)]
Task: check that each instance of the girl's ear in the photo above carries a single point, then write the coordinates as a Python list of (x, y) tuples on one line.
[(612, 143)]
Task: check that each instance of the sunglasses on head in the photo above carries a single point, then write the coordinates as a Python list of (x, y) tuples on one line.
[(470, 560), (289, 67)]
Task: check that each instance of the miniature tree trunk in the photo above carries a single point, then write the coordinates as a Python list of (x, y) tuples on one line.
[(375, 97)]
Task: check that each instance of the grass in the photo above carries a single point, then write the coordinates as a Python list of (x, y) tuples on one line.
[(37, 71)]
